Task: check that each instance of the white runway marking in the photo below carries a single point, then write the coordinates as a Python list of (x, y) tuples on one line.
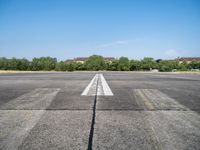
[(89, 87), (106, 89), (16, 123), (39, 98), (102, 90), (155, 99), (15, 126)]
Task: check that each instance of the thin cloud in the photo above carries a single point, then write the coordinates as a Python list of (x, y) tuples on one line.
[(120, 42), (171, 53)]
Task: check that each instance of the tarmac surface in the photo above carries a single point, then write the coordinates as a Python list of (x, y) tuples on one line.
[(99, 110)]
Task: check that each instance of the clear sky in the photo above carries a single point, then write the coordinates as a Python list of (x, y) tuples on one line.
[(73, 28)]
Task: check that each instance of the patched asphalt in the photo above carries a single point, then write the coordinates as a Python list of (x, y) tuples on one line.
[(147, 111)]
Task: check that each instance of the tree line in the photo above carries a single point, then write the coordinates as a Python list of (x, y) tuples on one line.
[(95, 63)]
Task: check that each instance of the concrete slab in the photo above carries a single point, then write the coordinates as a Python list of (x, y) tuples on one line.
[(123, 130), (60, 130), (176, 129), (71, 100), (69, 97), (39, 98), (122, 99), (15, 125), (147, 130)]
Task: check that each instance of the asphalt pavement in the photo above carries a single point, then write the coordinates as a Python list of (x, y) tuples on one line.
[(99, 110)]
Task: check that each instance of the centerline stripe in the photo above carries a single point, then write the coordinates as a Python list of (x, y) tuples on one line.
[(106, 89), (93, 81), (102, 90)]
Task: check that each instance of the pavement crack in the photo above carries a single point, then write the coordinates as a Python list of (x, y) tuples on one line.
[(90, 142)]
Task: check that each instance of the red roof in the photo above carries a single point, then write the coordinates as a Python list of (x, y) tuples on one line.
[(81, 58), (85, 58), (188, 59)]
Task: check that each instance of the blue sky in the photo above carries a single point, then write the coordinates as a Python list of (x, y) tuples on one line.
[(73, 28)]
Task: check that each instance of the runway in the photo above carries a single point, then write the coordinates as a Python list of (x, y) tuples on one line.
[(99, 110)]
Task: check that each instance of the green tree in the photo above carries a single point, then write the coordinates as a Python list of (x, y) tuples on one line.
[(135, 65), (124, 64), (12, 64), (4, 63), (44, 63), (148, 63), (193, 65), (71, 67), (113, 66), (79, 66), (95, 63), (61, 66), (182, 66), (168, 65), (23, 64)]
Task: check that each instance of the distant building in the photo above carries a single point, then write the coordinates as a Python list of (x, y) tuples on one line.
[(187, 59), (80, 59), (83, 59), (109, 59), (69, 60)]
